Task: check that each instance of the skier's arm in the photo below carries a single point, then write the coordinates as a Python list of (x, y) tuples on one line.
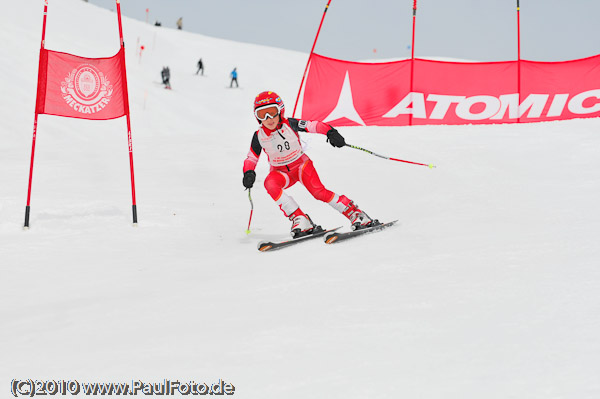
[(253, 154), (333, 136), (251, 161), (301, 125)]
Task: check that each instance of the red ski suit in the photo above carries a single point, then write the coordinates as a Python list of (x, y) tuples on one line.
[(289, 163)]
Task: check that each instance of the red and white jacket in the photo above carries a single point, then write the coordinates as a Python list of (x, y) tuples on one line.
[(281, 145)]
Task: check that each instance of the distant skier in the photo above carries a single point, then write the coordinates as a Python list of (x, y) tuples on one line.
[(279, 137), (233, 75), (166, 77), (200, 67), (163, 75), (168, 74), (180, 23)]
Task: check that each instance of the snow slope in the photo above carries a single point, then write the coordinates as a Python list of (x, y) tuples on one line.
[(488, 288)]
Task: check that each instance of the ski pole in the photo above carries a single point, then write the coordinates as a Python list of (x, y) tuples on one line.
[(251, 210), (391, 159)]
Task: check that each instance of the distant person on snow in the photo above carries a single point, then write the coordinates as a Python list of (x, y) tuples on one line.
[(163, 75), (233, 75), (200, 67), (180, 23), (279, 137), (166, 77)]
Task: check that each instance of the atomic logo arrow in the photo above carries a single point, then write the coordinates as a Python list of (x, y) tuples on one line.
[(345, 105)]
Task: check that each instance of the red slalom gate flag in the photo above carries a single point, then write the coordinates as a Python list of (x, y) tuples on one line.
[(78, 87)]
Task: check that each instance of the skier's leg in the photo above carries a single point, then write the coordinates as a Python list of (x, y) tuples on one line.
[(275, 183), (310, 179)]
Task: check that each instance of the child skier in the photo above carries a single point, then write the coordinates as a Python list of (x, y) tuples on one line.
[(278, 137)]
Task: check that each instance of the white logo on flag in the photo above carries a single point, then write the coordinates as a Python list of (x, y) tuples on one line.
[(86, 89), (345, 106)]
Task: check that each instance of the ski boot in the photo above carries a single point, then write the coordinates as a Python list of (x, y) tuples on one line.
[(358, 219), (301, 224)]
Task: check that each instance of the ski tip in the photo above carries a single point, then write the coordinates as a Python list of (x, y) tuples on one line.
[(264, 246), (331, 238)]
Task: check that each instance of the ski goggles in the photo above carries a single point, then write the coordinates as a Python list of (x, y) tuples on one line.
[(265, 112)]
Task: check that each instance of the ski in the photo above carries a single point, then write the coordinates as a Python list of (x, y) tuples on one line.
[(336, 236), (264, 246)]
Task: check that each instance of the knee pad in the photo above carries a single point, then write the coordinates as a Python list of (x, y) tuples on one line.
[(275, 183)]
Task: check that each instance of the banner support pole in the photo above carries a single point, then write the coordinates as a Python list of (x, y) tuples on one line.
[(412, 58), (126, 102), (35, 119), (310, 56), (519, 60)]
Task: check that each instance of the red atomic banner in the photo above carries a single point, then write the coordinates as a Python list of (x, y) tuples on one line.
[(77, 87), (345, 93)]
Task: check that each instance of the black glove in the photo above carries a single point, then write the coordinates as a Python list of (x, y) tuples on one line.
[(249, 177), (335, 139)]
